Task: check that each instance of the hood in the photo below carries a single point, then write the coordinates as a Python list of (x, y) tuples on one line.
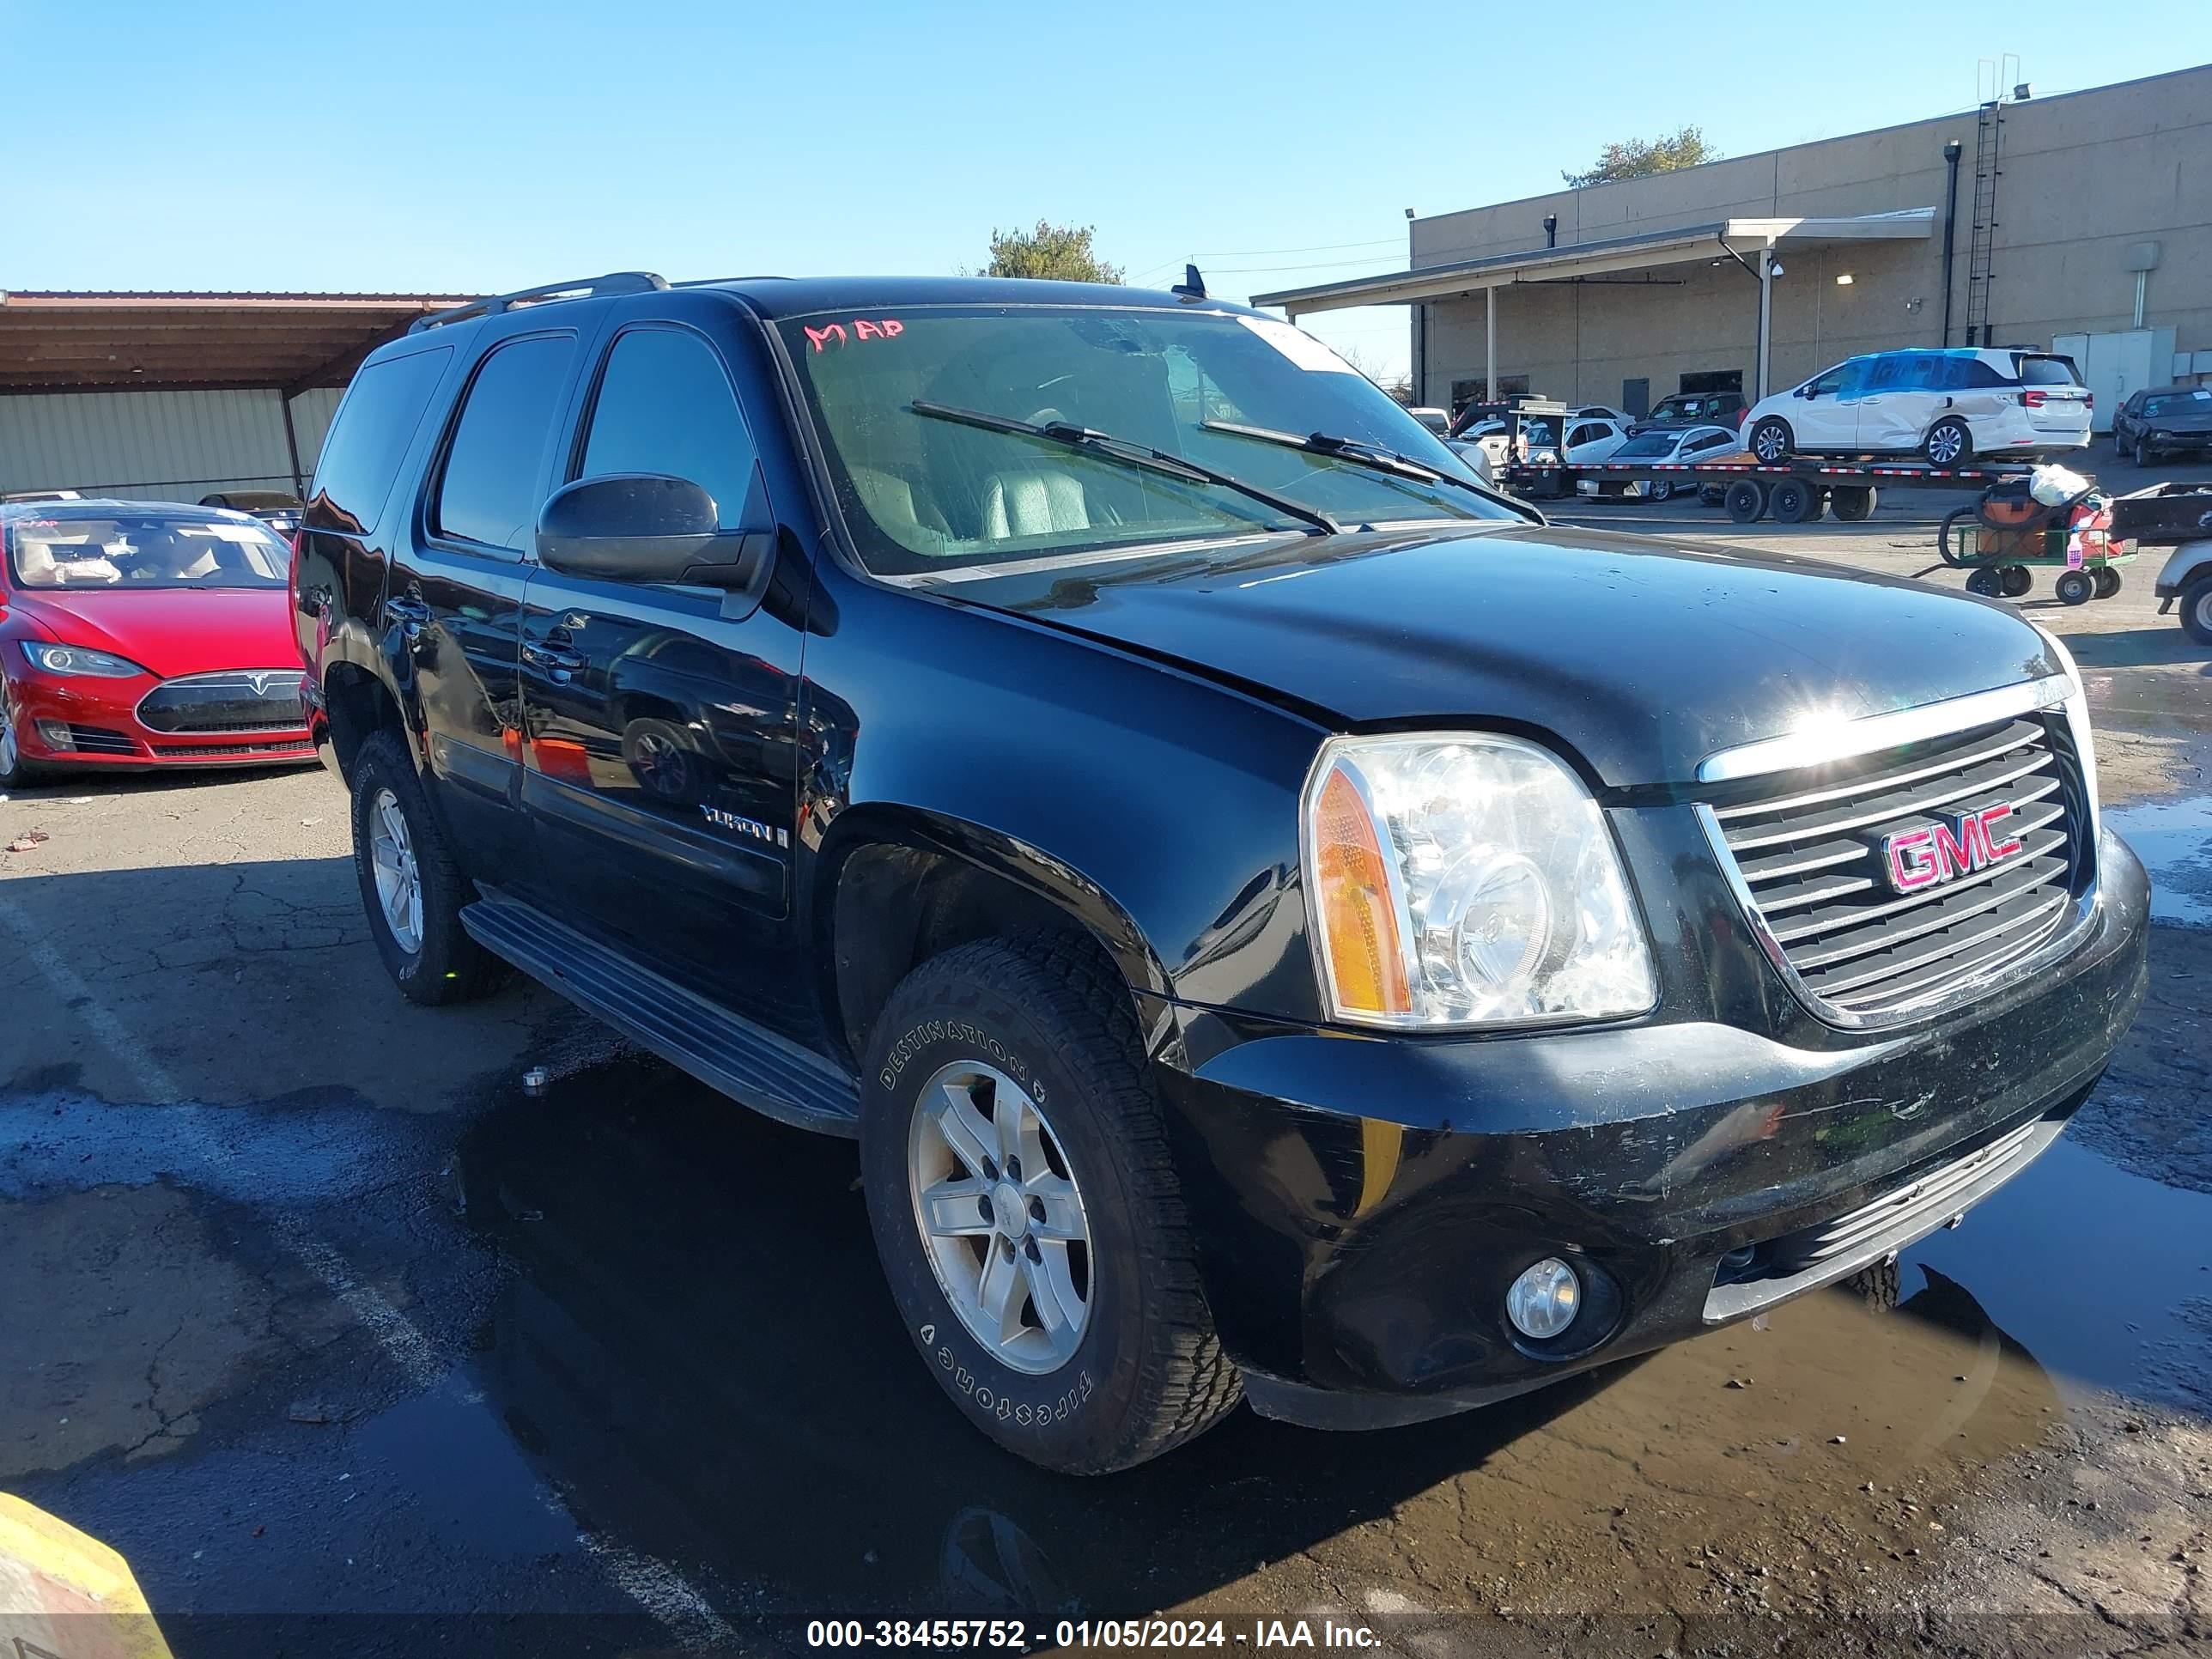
[(1641, 655), (170, 631)]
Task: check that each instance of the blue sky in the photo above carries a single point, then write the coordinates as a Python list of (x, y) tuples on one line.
[(474, 147)]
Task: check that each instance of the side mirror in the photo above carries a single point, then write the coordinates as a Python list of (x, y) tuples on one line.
[(1805, 392), (646, 527)]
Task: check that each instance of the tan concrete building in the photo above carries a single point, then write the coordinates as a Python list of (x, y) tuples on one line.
[(2082, 222)]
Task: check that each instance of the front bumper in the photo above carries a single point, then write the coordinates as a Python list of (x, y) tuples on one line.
[(81, 721), (1362, 1203)]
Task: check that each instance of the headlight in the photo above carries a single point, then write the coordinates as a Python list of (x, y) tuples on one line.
[(1467, 879), (2077, 726), (76, 659)]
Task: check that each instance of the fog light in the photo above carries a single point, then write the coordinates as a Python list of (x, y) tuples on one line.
[(1543, 1301), (55, 734)]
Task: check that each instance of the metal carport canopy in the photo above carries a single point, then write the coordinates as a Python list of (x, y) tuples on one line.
[(1638, 252)]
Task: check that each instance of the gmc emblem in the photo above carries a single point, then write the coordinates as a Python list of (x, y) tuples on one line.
[(1956, 844)]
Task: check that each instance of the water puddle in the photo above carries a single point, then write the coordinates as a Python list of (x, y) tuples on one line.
[(2173, 838), (696, 1348)]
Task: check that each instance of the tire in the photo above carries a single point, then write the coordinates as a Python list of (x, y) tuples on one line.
[(15, 770), (2108, 581), (2196, 610), (2017, 579), (1663, 489), (1877, 1286), (1792, 500), (1852, 503), (1987, 581), (2074, 587), (1041, 1025), (1746, 501), (1949, 444), (2142, 456), (440, 963), (1771, 440)]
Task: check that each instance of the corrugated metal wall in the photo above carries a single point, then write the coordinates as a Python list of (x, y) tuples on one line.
[(157, 445)]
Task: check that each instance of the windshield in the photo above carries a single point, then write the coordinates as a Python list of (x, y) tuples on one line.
[(1652, 446), (925, 495), (151, 551)]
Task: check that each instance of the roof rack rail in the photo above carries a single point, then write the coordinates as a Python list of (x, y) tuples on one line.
[(615, 282)]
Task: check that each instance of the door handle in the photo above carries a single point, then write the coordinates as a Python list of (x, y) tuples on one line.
[(411, 613), (557, 661)]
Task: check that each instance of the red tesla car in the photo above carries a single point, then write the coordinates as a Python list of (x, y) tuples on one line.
[(136, 633)]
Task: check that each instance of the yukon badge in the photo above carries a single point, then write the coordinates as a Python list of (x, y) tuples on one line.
[(1956, 844)]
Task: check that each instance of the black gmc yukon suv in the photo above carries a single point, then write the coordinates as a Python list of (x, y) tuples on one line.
[(1280, 920)]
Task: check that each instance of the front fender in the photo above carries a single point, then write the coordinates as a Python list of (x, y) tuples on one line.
[(1158, 808)]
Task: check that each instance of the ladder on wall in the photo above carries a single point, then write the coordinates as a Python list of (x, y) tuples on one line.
[(1989, 131)]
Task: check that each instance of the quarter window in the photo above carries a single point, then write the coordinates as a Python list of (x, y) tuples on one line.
[(665, 406), (489, 491), (375, 423)]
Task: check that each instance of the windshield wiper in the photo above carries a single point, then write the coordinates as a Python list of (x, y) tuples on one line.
[(1373, 456), (1131, 453)]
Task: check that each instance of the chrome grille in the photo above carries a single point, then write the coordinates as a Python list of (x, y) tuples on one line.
[(1808, 848)]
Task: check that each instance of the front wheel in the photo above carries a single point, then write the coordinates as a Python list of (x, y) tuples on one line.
[(2196, 610), (2108, 581), (2073, 587), (1663, 489), (15, 770), (1771, 440), (1852, 503), (1028, 1214), (1745, 500), (1949, 443), (410, 886)]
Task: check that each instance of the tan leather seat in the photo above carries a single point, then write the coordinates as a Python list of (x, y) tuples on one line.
[(1035, 501)]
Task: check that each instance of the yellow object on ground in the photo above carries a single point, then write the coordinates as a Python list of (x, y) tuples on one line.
[(66, 1596)]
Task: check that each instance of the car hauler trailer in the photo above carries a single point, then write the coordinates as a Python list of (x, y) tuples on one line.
[(1796, 491)]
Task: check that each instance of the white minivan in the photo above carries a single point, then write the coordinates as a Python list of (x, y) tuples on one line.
[(1947, 406)]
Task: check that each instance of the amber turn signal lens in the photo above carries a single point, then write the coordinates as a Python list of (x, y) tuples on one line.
[(1366, 962)]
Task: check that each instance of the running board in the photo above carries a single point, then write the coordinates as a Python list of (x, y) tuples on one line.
[(753, 1066)]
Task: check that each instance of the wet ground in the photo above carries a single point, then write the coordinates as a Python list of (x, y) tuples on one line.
[(309, 1310)]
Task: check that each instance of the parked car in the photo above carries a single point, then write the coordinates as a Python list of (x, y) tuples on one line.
[(1438, 421), (1280, 919), (136, 635), (14, 496), (1572, 439), (272, 507), (1666, 446), (1948, 406), (2186, 577), (1694, 409), (2174, 419)]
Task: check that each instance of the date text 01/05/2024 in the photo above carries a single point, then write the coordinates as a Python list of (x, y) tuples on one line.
[(1012, 1635)]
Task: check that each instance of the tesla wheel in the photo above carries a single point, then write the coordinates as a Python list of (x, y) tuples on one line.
[(1771, 440), (1987, 581), (15, 770), (1030, 1224), (2108, 581), (2073, 587), (1949, 444), (1746, 501), (2017, 579), (1852, 503), (2196, 610), (1792, 500), (409, 884)]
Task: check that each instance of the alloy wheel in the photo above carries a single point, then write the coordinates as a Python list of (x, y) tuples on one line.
[(1001, 1217), (398, 881), (8, 750), (1944, 445), (2205, 614)]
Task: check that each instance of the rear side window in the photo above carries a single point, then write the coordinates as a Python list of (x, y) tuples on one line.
[(665, 406), (489, 492), (1970, 374), (2046, 371), (375, 423)]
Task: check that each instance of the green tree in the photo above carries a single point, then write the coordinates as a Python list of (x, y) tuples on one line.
[(1639, 158), (1060, 253)]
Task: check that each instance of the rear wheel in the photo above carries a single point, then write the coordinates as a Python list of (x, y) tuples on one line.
[(409, 884), (2017, 581), (1771, 440), (1988, 581), (1746, 501), (2108, 581), (1949, 443), (1793, 500), (1030, 1223), (1852, 502), (2074, 587), (2196, 610)]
